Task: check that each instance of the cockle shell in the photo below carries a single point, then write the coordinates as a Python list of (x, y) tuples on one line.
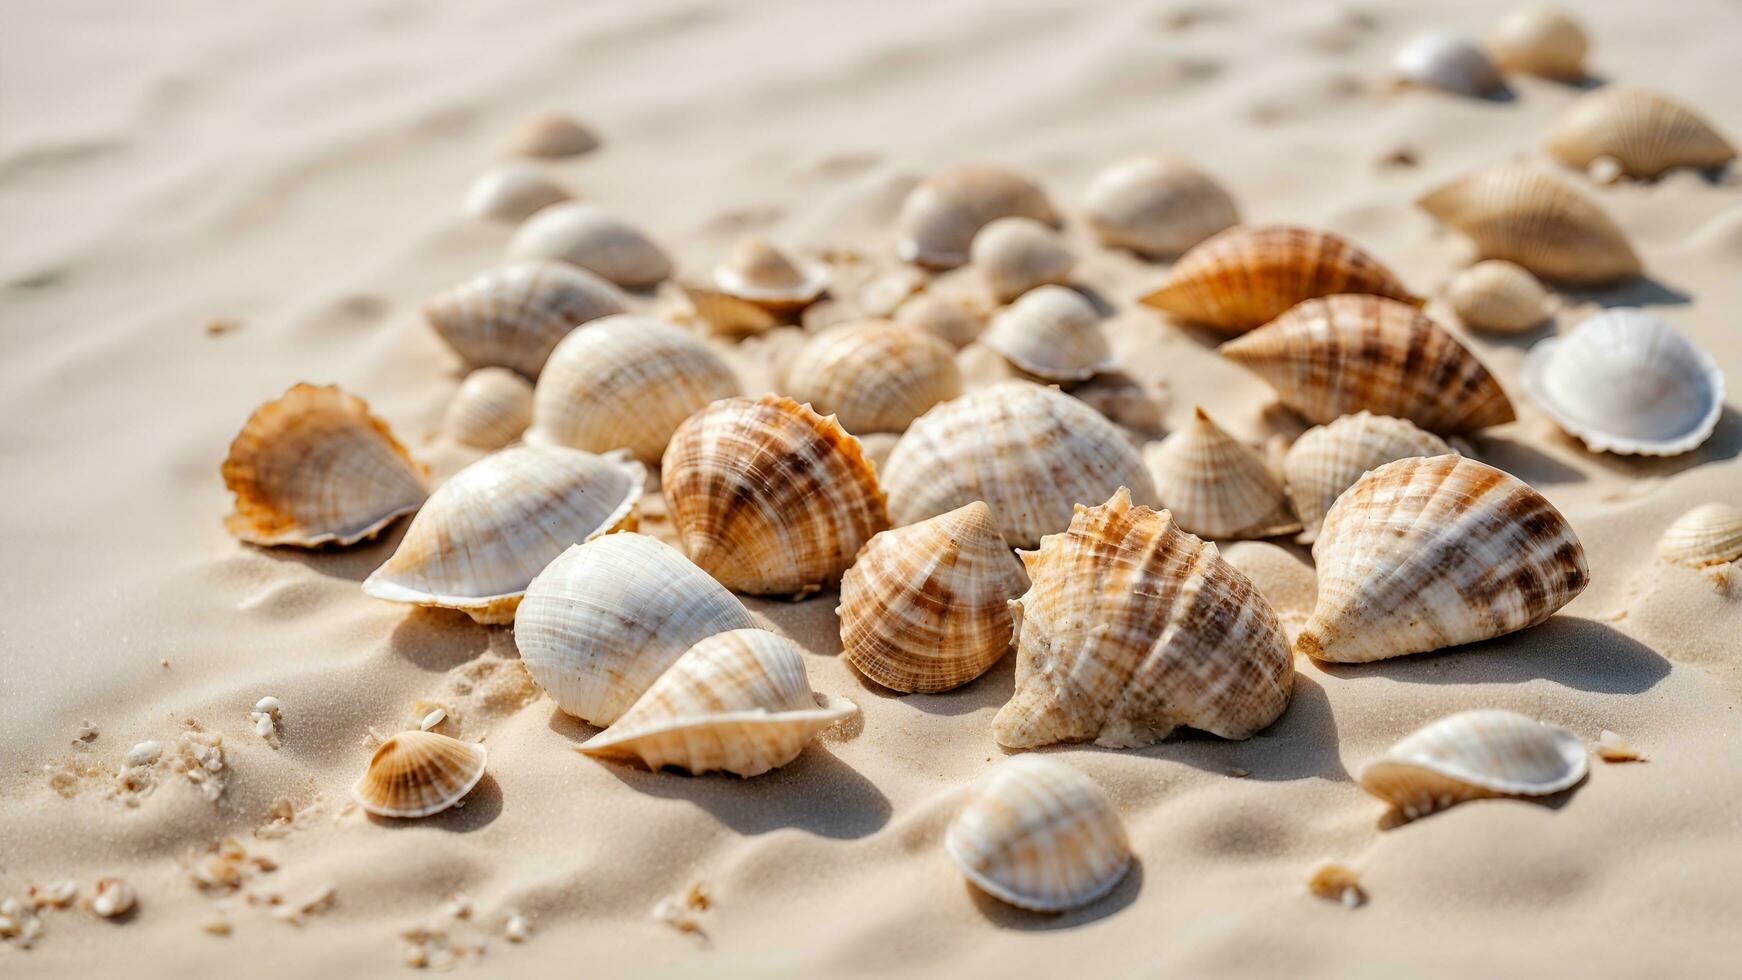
[(511, 317), (551, 134), (1039, 834), (944, 212), (944, 318), (511, 192), (588, 236), (1447, 62), (1646, 132), (1498, 296), (1327, 460), (313, 467), (1624, 381), (491, 409), (416, 774), (1215, 486), (625, 382), (1710, 534), (926, 607), (1157, 205), (606, 618), (1031, 453), (876, 376), (1014, 255), (1422, 554), (1542, 41), (1329, 357), (757, 272), (1475, 755), (486, 532), (738, 701), (769, 497), (1534, 217), (1133, 628), (1053, 333), (1249, 274)]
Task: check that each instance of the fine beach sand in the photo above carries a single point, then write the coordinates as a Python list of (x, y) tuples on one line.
[(298, 169)]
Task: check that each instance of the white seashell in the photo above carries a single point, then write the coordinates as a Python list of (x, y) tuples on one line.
[(1157, 205), (875, 376), (1645, 132), (1447, 62), (759, 273), (513, 316), (943, 213), (588, 236), (1014, 255), (1710, 534), (1499, 296), (1328, 459), (491, 409), (512, 192), (145, 753), (1053, 333), (947, 319), (551, 134), (1542, 41), (1215, 486), (112, 898), (1475, 755), (416, 774)]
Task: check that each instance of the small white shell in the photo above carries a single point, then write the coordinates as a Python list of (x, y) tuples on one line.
[(945, 318), (491, 409), (1498, 296), (1447, 62), (1157, 205), (758, 272), (1710, 534), (1542, 41), (942, 213), (1014, 255), (1052, 333), (551, 134), (1475, 755), (512, 192), (587, 235)]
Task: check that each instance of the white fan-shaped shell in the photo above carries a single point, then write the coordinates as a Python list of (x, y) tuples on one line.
[(1499, 296), (1215, 486), (417, 774), (1014, 255), (1542, 41), (513, 316), (1645, 132), (512, 192), (490, 410), (1328, 459), (875, 376), (942, 213), (1710, 534), (587, 235), (1447, 62), (945, 318), (1472, 755), (758, 272), (1053, 333), (1157, 205)]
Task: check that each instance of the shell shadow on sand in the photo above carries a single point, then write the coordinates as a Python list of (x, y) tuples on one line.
[(353, 563), (1022, 920), (1394, 818), (478, 810)]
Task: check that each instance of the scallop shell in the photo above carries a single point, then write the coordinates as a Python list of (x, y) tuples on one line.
[(1647, 133), (416, 774), (1039, 834), (491, 409), (512, 192), (1031, 453), (1217, 487), (944, 318), (1536, 218), (625, 382), (926, 608), (606, 618), (1447, 62), (758, 272), (769, 497), (1542, 41), (511, 317), (738, 702), (1133, 628), (1014, 255), (495, 524), (1249, 274), (313, 467), (1341, 354), (1327, 460), (551, 134), (1498, 296), (1053, 333), (944, 212), (1475, 755), (1710, 534), (1422, 554), (588, 236), (1624, 381), (1157, 205), (875, 375)]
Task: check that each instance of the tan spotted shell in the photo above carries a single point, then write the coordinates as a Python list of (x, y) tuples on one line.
[(1526, 214), (417, 774), (511, 192), (1215, 486), (943, 213), (585, 235), (551, 134), (1542, 41), (1157, 205), (1475, 755), (1645, 132), (758, 272), (1498, 296), (1327, 460), (513, 316), (876, 376), (1014, 255), (1710, 534), (1052, 333), (492, 407)]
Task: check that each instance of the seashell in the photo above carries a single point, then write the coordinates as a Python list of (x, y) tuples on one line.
[(491, 409), (1499, 296), (1613, 748), (1133, 628), (512, 192), (1053, 333), (769, 497), (1475, 755), (1645, 132), (416, 774), (606, 618), (1624, 381), (587, 235), (727, 315), (738, 702), (1157, 205), (495, 524), (625, 382), (926, 608), (511, 317), (759, 273), (1341, 354), (1542, 41), (944, 212), (1423, 554), (1536, 218), (874, 375), (942, 317), (1447, 62), (1249, 274), (1327, 460), (1039, 834), (551, 134), (1710, 534), (313, 467), (1014, 255), (1217, 487), (1031, 453)]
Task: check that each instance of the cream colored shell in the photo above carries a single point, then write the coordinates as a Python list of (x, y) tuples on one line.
[(417, 774), (551, 134), (1448, 63), (1327, 460), (1498, 296), (513, 316), (1014, 255), (1532, 216), (512, 192), (586, 235), (1157, 205), (943, 317), (1215, 486), (1710, 534), (876, 376), (490, 410), (726, 315), (758, 272), (1645, 132), (1542, 41), (1475, 755), (942, 214), (1052, 333)]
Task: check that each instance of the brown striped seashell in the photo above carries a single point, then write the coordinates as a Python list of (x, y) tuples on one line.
[(1327, 460), (1052, 333), (551, 134), (1529, 215), (757, 272), (1157, 205), (943, 213), (947, 319), (1710, 534), (875, 376), (512, 192), (1498, 296), (1646, 132), (417, 774), (511, 317), (1014, 255), (1543, 41), (1475, 755), (586, 235), (1448, 63), (1215, 486), (491, 409)]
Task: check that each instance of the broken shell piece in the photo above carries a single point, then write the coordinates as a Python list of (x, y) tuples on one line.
[(943, 213), (54, 895), (757, 272), (1215, 486), (1475, 755), (1645, 132), (432, 719), (1532, 216), (1157, 205), (1337, 882), (516, 929), (1710, 534), (1447, 62), (1014, 255), (551, 134), (511, 192), (1613, 748), (1498, 296), (947, 319), (1543, 41), (1053, 333), (113, 898), (513, 316), (874, 376), (491, 409), (416, 774), (588, 236), (1328, 459), (145, 753)]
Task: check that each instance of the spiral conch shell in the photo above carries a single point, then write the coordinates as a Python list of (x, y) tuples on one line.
[(513, 316), (314, 467), (1249, 274), (769, 497), (1133, 628), (1542, 41), (1422, 554), (1014, 255), (875, 376), (944, 212), (1710, 534), (757, 272), (1328, 459), (1030, 453), (1215, 486), (1157, 206), (1498, 296), (606, 618), (1447, 62), (417, 774), (1039, 834), (491, 409), (1052, 333), (495, 524), (1476, 755), (588, 236), (1329, 357), (1647, 133), (511, 192), (1536, 218)]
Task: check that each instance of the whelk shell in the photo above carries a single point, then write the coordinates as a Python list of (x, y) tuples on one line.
[(551, 134), (1499, 296), (757, 272), (1133, 628), (1534, 217), (512, 192), (1014, 255), (1215, 486), (876, 376), (511, 317), (588, 236), (1422, 554), (491, 409), (416, 774), (947, 319), (1542, 41), (1447, 62), (1157, 205), (1646, 132), (942, 213), (1710, 534), (1327, 460), (1053, 333), (1475, 755)]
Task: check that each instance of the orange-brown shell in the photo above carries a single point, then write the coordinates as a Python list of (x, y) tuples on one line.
[(416, 774), (1538, 219)]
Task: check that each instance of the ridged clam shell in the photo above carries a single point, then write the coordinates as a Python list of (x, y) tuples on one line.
[(944, 318), (738, 701), (1529, 215), (943, 213), (1215, 486), (876, 376), (1014, 255), (1053, 333), (1498, 296), (1157, 205), (314, 467), (512, 192), (1475, 755), (726, 315), (758, 272), (416, 774), (1624, 381), (1031, 453), (1422, 554), (511, 317), (551, 134), (769, 497), (1327, 460), (491, 409), (1329, 357), (926, 607), (1646, 132), (1542, 41), (588, 236), (1249, 274), (1710, 534), (1446, 62), (1132, 628), (606, 618), (491, 527), (1039, 834)]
